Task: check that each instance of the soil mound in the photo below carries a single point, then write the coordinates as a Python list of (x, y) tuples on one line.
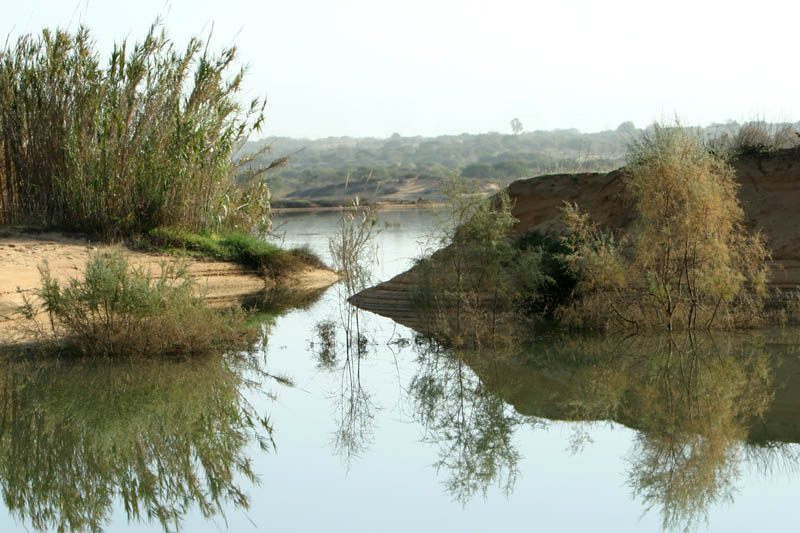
[(769, 193)]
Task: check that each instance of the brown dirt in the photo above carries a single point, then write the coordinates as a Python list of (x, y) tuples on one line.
[(21, 254)]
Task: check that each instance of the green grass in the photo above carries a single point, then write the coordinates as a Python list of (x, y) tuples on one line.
[(234, 247)]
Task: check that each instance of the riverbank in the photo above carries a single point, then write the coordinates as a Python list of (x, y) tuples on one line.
[(221, 283), (768, 189)]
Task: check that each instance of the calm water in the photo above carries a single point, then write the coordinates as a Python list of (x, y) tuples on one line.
[(389, 433)]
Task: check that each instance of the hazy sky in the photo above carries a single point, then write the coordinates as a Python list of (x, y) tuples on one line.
[(375, 67)]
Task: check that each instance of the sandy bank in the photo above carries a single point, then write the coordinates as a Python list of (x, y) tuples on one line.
[(21, 254)]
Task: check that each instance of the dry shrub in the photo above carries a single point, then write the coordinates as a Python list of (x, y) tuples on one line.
[(760, 136), (687, 260), (118, 310)]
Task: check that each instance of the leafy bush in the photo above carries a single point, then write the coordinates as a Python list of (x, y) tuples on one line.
[(475, 290), (118, 310), (688, 259), (118, 149)]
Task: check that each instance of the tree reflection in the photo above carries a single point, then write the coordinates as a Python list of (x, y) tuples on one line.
[(162, 437), (692, 400), (694, 406), (472, 426), (354, 408), (695, 403)]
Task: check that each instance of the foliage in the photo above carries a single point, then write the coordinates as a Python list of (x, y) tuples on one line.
[(231, 246), (117, 310), (317, 168), (114, 150), (756, 136), (469, 291), (687, 260), (352, 247)]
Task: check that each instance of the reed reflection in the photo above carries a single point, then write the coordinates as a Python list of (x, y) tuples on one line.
[(161, 437)]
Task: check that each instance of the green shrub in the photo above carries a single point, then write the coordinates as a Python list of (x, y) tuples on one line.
[(145, 141), (476, 289), (118, 310)]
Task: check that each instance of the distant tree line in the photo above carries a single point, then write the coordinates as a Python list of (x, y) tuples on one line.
[(489, 157)]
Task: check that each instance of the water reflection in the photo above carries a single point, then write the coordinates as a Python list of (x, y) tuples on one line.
[(694, 401), (353, 405), (702, 407), (471, 425), (159, 437)]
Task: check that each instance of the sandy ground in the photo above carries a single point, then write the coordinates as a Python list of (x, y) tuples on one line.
[(22, 253)]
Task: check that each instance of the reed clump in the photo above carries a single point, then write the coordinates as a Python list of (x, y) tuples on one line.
[(112, 150)]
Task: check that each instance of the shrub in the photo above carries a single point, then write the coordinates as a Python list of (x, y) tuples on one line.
[(759, 136), (114, 150), (118, 310), (687, 259), (472, 291)]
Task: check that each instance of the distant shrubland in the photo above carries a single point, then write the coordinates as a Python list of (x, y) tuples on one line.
[(317, 169)]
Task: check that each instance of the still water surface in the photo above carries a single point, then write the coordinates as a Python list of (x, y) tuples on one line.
[(391, 433)]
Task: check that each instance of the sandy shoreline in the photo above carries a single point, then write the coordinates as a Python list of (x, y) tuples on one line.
[(21, 253)]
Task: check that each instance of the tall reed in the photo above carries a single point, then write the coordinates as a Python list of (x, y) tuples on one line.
[(144, 141)]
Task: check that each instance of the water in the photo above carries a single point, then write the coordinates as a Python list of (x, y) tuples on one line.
[(617, 434)]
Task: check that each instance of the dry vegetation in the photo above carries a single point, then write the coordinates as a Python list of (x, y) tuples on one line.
[(687, 261)]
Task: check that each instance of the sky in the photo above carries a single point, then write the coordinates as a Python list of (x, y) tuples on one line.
[(432, 67)]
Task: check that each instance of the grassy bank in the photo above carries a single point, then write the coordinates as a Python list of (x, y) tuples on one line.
[(235, 247)]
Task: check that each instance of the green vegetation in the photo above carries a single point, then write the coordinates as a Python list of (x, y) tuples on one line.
[(115, 150), (474, 289), (235, 247), (687, 260), (121, 311), (376, 169)]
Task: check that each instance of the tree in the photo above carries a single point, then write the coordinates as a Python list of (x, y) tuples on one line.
[(470, 292), (687, 259), (516, 126)]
